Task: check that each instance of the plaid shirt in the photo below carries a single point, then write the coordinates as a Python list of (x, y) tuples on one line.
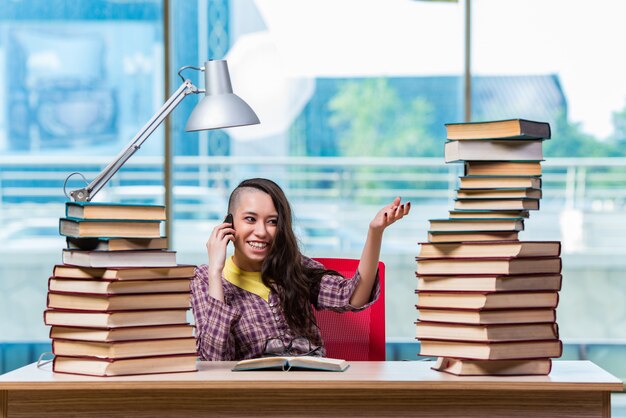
[(238, 328)]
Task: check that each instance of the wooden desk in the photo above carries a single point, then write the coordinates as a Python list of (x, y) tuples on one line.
[(373, 389)]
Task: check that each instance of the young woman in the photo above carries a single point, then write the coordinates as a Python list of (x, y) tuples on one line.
[(261, 299)]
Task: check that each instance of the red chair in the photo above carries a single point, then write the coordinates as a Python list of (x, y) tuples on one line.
[(354, 336)]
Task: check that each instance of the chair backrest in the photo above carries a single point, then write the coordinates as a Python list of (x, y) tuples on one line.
[(354, 336)]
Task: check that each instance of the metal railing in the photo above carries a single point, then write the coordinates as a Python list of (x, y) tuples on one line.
[(327, 192), (574, 179)]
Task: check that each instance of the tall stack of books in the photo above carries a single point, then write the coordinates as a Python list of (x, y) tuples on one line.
[(118, 304), (486, 300)]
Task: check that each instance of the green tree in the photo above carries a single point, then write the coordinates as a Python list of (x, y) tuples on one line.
[(372, 120), (618, 138), (569, 140)]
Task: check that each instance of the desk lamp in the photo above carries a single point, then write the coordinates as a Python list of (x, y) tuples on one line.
[(220, 108)]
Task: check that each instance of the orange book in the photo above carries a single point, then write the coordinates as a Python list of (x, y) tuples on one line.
[(487, 300), (488, 265), (486, 333), (515, 350), (92, 366)]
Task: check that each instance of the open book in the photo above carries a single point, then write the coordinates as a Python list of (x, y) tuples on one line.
[(286, 363)]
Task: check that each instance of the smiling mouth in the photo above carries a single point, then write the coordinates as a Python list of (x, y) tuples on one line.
[(258, 245)]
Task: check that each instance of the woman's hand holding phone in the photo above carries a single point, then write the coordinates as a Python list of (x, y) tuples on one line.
[(217, 243)]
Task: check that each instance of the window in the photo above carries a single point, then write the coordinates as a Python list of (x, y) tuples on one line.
[(77, 80)]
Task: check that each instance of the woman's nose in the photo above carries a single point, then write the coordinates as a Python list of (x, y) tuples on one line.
[(260, 229)]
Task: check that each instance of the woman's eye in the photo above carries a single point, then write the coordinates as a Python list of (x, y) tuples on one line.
[(273, 221), (248, 219)]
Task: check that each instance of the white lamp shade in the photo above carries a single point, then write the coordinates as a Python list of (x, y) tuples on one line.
[(220, 107)]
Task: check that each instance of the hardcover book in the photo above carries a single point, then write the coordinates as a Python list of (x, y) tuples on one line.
[(488, 265), (487, 300), (497, 204), (118, 287), (116, 244), (123, 349), (508, 193), (504, 316), (489, 283), (460, 367), (491, 350), (467, 236), (486, 333), (502, 168), (101, 210), (504, 129), (112, 319), (499, 182), (491, 249), (124, 367), (97, 228), (105, 303), (145, 258), (476, 224), (464, 214), (154, 332), (460, 151), (124, 273)]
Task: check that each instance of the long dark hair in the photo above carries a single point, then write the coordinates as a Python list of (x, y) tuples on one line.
[(297, 285)]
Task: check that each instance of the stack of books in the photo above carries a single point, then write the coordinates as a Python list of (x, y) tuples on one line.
[(118, 304), (486, 300)]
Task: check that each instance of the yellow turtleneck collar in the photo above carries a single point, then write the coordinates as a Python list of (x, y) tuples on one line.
[(246, 280)]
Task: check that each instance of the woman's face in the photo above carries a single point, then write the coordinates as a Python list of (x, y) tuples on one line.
[(255, 219)]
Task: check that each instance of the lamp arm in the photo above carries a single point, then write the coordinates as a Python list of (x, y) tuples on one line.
[(87, 193)]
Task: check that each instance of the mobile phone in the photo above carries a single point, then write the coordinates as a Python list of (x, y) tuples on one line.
[(229, 219)]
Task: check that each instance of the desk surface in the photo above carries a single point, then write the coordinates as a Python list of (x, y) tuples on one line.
[(565, 376)]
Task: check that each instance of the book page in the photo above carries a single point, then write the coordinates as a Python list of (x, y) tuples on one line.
[(262, 363), (318, 363), (287, 363)]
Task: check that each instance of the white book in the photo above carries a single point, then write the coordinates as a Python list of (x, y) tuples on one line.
[(485, 150), (147, 258)]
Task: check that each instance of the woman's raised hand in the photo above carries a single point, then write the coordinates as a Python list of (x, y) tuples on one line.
[(389, 214)]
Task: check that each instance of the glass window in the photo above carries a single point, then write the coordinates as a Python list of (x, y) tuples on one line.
[(77, 80), (352, 98), (533, 61), (558, 73), (380, 82)]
